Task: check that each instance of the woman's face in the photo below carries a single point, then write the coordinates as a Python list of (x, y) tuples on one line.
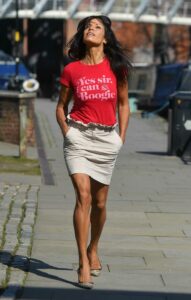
[(94, 33)]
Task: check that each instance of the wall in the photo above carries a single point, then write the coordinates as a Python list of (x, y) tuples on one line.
[(9, 120), (139, 39), (180, 42)]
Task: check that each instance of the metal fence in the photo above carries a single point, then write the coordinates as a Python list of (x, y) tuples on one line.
[(154, 11)]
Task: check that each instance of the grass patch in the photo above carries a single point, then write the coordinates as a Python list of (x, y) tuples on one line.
[(15, 164)]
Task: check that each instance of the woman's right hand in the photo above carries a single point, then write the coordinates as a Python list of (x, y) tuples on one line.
[(65, 130), (61, 109)]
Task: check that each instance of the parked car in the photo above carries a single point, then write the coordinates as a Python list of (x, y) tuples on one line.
[(11, 79), (152, 85), (168, 80)]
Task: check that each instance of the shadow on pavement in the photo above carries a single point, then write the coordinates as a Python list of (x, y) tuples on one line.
[(35, 266), (32, 265), (80, 294), (153, 153)]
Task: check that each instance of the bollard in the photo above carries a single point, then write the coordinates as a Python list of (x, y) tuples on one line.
[(16, 112)]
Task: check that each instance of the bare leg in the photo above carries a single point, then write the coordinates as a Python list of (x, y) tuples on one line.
[(99, 193), (81, 221)]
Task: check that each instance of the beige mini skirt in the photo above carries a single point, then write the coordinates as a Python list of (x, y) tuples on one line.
[(91, 150)]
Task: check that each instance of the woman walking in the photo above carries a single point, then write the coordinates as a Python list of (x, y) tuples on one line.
[(97, 80)]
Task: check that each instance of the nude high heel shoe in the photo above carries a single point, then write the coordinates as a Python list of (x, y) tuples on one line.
[(96, 272), (85, 285)]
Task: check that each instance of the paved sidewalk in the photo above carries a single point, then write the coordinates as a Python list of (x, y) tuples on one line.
[(18, 207), (145, 246)]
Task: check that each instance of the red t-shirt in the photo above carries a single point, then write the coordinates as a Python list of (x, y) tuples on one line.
[(95, 92)]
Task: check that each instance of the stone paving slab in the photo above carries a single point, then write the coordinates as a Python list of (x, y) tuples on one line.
[(176, 208), (179, 279), (187, 231), (174, 252)]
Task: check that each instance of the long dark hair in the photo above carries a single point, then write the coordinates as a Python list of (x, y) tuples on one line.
[(119, 61)]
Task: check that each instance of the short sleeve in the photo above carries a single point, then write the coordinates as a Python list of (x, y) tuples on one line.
[(65, 78)]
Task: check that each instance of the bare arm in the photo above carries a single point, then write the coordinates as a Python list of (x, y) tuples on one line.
[(123, 110), (62, 108)]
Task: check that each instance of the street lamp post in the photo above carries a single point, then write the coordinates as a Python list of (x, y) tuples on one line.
[(17, 40)]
